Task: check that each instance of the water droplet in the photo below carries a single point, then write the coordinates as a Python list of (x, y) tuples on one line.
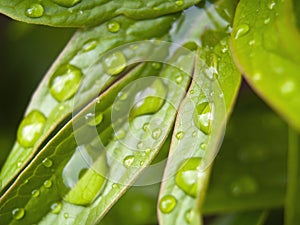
[(241, 31), (251, 42), (271, 4), (120, 134), (18, 213), (187, 176), (256, 77), (56, 207), (114, 185), (123, 96), (189, 215), (115, 63), (19, 163), (194, 134), (66, 215), (148, 150), (35, 193), (243, 186), (179, 3), (90, 45), (94, 120), (203, 117), (179, 79), (179, 135), (48, 184), (167, 203), (156, 65), (47, 162), (150, 99), (156, 133), (287, 87), (31, 128), (113, 26), (192, 91), (35, 10), (140, 145), (65, 82), (142, 163), (66, 3), (146, 126), (203, 146), (128, 160), (266, 21)]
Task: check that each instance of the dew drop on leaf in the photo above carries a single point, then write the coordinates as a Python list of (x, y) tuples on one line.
[(245, 185), (90, 45), (35, 193), (202, 117), (56, 207), (128, 160), (94, 120), (31, 128), (167, 203), (48, 184), (66, 215), (113, 26), (65, 82), (189, 215), (187, 176), (242, 30), (18, 213), (179, 3), (156, 133), (115, 63), (179, 135), (47, 162), (146, 126), (66, 3), (35, 10), (179, 79)]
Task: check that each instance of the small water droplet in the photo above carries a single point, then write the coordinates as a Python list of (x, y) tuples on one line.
[(120, 134), (156, 133), (90, 45), (115, 63), (187, 176), (128, 161), (31, 128), (243, 186), (148, 150), (94, 120), (35, 10), (66, 3), (251, 42), (179, 79), (140, 145), (123, 96), (287, 87), (146, 126), (65, 82), (113, 26), (189, 215), (179, 135), (156, 65), (167, 203), (142, 163), (56, 207), (202, 117), (18, 213), (266, 21), (271, 4), (179, 3), (203, 146), (194, 134), (47, 162), (242, 30), (48, 184), (19, 163), (66, 215), (35, 193), (115, 185)]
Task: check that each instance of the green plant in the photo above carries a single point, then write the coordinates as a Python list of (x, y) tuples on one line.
[(145, 87)]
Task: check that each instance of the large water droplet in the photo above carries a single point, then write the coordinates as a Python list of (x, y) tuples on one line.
[(84, 175), (187, 176), (56, 207), (35, 10), (202, 117), (167, 204), (115, 63), (244, 186), (65, 82), (113, 26), (31, 128), (150, 100), (128, 160), (241, 30), (66, 3), (47, 162), (18, 213)]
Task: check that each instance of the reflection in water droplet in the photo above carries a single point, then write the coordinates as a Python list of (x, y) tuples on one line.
[(35, 10), (156, 133), (47, 162), (113, 26), (203, 117), (31, 128), (48, 184), (66, 3), (179, 135), (114, 63), (241, 30), (167, 204), (187, 176), (128, 160), (56, 207), (65, 82), (35, 193), (244, 186), (18, 213)]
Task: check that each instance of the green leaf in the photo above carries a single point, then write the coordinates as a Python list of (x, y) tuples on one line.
[(257, 178), (80, 55), (80, 13), (195, 141), (292, 210), (266, 46), (245, 218)]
